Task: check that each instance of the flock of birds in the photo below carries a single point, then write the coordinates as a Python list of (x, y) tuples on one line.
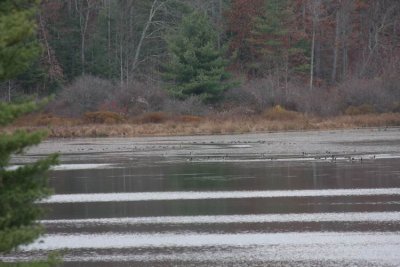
[(327, 156), (192, 156), (263, 156)]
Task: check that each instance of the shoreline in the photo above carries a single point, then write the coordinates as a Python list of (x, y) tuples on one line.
[(267, 147), (68, 128)]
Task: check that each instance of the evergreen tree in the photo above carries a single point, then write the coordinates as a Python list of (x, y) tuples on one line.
[(270, 38), (18, 45), (241, 19), (196, 66), (20, 188)]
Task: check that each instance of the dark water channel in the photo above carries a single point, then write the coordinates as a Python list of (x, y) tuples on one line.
[(187, 212), (212, 229)]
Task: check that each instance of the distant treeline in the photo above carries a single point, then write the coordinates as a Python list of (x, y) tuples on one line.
[(133, 56)]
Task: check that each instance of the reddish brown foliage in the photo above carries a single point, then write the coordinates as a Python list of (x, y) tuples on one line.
[(241, 24)]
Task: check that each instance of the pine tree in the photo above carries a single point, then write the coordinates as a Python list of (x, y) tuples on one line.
[(196, 66), (18, 45), (265, 39), (272, 37), (241, 19), (20, 188)]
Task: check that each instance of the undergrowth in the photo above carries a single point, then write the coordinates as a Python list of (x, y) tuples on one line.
[(159, 124)]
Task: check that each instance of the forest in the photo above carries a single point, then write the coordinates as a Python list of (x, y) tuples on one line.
[(126, 58)]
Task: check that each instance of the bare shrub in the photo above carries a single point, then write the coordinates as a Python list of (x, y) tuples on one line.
[(318, 101), (239, 98), (136, 98), (265, 93), (190, 106), (262, 94), (85, 94), (357, 92), (391, 83), (259, 93), (396, 107), (361, 96)]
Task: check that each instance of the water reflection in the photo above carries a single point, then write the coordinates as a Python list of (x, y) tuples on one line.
[(225, 214), (188, 176)]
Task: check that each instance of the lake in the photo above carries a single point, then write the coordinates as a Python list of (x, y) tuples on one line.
[(329, 198)]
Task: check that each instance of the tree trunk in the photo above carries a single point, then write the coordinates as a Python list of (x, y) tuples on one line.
[(219, 23), (9, 91), (318, 55), (153, 10), (121, 64), (335, 49), (83, 22), (344, 60), (315, 6), (312, 58), (109, 34)]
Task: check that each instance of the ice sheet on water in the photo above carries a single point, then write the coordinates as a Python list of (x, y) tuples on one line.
[(196, 195), (224, 219)]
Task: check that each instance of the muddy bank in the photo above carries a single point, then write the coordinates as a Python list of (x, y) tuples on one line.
[(305, 145)]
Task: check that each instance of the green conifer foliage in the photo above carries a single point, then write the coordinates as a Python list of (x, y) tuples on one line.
[(20, 187), (270, 36), (18, 44), (196, 66), (278, 46)]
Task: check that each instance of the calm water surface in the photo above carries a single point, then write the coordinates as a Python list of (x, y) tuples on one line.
[(154, 211)]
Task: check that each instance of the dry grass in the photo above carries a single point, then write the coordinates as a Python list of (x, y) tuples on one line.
[(359, 110), (157, 125), (106, 117), (278, 113), (152, 117), (45, 119)]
